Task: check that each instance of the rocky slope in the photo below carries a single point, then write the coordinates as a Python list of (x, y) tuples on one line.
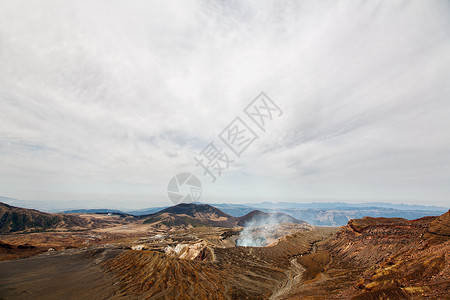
[(223, 273), (13, 219), (379, 258)]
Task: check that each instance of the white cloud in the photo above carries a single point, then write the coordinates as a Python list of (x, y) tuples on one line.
[(110, 99)]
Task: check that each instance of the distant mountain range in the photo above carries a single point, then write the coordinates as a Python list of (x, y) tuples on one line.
[(324, 214), (327, 214), (348, 206), (336, 214), (17, 219), (207, 215)]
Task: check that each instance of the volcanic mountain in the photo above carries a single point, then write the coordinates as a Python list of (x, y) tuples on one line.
[(17, 219), (191, 214), (14, 219), (206, 215)]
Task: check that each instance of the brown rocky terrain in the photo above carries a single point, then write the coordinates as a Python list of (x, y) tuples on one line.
[(379, 258), (369, 258), (16, 219), (236, 272)]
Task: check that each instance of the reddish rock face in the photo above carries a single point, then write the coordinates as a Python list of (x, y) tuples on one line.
[(379, 258), (439, 229)]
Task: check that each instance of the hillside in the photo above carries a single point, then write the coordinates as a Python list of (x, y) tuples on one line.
[(14, 219), (17, 219), (195, 210), (191, 214), (381, 258)]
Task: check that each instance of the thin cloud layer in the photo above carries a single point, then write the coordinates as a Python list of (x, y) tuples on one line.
[(109, 100)]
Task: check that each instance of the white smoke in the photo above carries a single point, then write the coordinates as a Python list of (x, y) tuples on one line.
[(263, 230)]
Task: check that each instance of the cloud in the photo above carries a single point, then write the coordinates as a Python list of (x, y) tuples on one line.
[(107, 100)]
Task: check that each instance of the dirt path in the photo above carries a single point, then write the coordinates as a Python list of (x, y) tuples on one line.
[(294, 274), (294, 277)]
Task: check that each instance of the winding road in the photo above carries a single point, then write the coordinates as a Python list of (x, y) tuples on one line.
[(293, 278)]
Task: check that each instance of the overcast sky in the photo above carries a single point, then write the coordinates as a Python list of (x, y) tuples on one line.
[(102, 102)]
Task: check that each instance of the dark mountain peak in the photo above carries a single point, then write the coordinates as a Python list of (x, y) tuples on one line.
[(193, 210), (184, 214), (257, 212)]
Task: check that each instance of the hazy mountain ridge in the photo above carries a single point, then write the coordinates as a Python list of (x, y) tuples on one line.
[(322, 214), (13, 219), (321, 217), (344, 205), (333, 214)]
